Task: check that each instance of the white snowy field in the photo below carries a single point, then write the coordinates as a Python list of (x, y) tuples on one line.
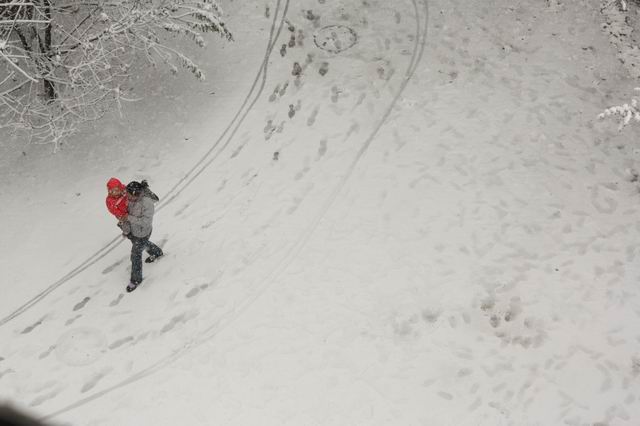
[(430, 227)]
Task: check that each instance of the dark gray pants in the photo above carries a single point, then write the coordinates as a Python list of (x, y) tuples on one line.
[(137, 247)]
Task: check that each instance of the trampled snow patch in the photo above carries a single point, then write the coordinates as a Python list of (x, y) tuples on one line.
[(430, 227)]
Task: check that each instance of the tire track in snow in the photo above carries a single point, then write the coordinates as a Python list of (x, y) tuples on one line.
[(108, 248), (178, 187), (228, 319), (192, 174)]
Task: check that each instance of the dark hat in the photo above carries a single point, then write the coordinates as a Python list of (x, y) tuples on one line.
[(134, 188)]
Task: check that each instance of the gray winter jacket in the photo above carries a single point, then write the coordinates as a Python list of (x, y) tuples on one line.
[(141, 216)]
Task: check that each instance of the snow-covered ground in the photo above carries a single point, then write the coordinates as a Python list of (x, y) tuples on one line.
[(430, 227)]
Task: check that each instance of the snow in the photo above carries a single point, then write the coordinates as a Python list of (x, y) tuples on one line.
[(429, 227)]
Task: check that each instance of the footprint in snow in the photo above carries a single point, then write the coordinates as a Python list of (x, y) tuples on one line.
[(95, 379), (268, 129), (312, 118), (273, 96), (335, 93), (81, 304), (33, 326), (322, 150), (282, 91), (297, 69), (198, 289), (116, 301), (112, 267), (324, 68), (72, 320), (42, 398), (293, 109), (311, 16), (120, 342), (290, 26), (47, 352), (301, 173)]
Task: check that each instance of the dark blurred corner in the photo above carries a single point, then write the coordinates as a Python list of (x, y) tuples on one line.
[(11, 416)]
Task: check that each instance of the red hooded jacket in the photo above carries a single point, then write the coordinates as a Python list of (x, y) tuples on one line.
[(117, 206)]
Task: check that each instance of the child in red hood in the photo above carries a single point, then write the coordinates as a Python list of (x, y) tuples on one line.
[(117, 202)]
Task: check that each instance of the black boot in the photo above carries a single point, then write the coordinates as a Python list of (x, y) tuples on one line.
[(152, 258)]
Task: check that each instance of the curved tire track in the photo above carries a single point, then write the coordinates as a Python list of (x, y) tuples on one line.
[(227, 319), (192, 174), (189, 177), (84, 265)]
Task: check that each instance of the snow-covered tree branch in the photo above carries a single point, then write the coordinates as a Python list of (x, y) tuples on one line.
[(63, 62), (625, 112)]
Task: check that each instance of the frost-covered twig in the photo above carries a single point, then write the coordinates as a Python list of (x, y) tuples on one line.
[(626, 112), (622, 5), (70, 59)]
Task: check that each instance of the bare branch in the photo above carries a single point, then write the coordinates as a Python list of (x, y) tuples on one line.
[(10, 62)]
